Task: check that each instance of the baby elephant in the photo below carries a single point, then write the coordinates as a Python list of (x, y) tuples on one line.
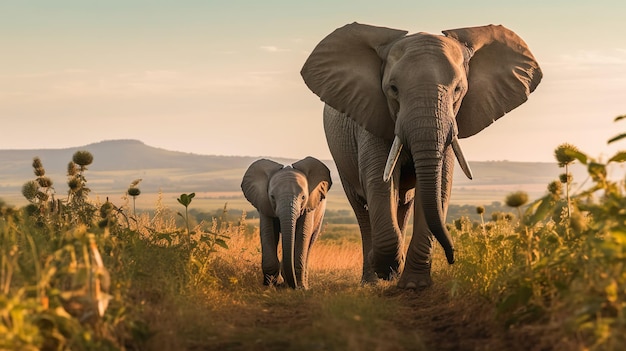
[(291, 200)]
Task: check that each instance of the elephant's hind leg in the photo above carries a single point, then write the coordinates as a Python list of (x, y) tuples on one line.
[(363, 218)]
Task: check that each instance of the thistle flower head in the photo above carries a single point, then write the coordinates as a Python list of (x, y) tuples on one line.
[(480, 210), (106, 209), (562, 156), (82, 158), (44, 182), (565, 178), (42, 196), (74, 183), (29, 190), (555, 188), (132, 191), (37, 163), (516, 199), (72, 169), (38, 167)]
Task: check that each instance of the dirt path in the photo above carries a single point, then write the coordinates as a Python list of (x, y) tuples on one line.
[(349, 318), (337, 313)]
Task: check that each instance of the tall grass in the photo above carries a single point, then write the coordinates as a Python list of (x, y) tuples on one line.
[(557, 270)]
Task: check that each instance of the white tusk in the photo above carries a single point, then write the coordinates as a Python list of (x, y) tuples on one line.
[(392, 159), (459, 156)]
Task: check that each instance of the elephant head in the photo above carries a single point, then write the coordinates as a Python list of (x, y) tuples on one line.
[(291, 199), (423, 91)]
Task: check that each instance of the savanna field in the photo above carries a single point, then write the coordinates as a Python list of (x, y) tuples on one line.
[(78, 274)]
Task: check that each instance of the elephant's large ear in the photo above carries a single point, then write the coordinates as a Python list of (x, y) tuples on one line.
[(345, 71), (318, 177), (255, 182), (502, 73)]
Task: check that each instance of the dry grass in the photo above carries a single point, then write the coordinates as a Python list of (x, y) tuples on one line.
[(236, 312)]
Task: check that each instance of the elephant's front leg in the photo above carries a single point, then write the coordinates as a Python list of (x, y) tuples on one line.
[(270, 265), (387, 255)]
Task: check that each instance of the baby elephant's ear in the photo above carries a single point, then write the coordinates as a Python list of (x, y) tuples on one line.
[(502, 73), (255, 184), (318, 177)]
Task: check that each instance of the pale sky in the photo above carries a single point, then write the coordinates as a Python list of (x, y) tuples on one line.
[(222, 77)]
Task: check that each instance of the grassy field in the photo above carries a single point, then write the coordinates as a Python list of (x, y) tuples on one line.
[(84, 275), (337, 313)]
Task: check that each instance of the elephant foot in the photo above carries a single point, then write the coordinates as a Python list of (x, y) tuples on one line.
[(386, 267), (272, 280), (369, 278), (415, 281)]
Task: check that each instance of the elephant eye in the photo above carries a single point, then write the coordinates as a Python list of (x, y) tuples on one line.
[(394, 89)]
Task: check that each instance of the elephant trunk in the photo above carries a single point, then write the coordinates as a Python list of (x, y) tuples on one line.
[(289, 215), (429, 178), (428, 138)]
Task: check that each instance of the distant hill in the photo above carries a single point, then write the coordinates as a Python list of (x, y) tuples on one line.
[(119, 162)]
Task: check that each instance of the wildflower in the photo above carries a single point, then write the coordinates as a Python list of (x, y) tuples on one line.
[(556, 189), (72, 169), (38, 167), (565, 178), (44, 182), (516, 199), (29, 190), (74, 184), (133, 191), (82, 158), (563, 154)]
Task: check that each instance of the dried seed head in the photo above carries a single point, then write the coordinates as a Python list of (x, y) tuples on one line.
[(480, 210), (37, 163), (516, 199), (555, 188), (560, 153), (74, 184), (42, 196), (44, 182), (565, 178), (39, 172), (134, 191), (29, 190), (106, 209), (82, 158), (72, 169)]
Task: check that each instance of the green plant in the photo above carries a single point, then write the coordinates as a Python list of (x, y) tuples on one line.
[(562, 267), (185, 200)]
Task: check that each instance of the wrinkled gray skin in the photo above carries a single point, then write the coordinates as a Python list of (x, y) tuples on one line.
[(291, 202), (408, 98)]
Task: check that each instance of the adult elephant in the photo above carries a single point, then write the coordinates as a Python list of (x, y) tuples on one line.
[(393, 98), (291, 201)]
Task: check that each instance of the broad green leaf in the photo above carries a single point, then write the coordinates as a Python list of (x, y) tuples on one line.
[(618, 157), (540, 209), (619, 117), (185, 199), (579, 155), (616, 138)]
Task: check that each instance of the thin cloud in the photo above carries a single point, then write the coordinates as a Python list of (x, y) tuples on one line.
[(595, 58), (271, 48)]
